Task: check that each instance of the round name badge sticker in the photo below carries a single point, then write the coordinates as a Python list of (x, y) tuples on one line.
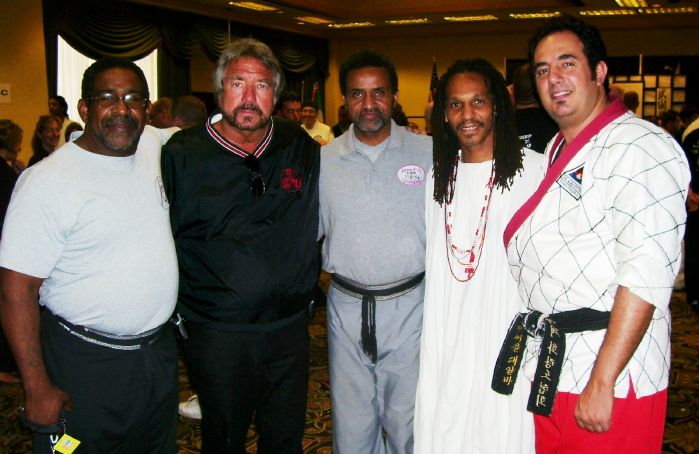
[(411, 175)]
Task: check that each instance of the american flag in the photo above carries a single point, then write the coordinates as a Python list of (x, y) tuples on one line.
[(434, 81)]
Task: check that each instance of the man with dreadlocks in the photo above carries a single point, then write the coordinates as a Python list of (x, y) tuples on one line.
[(481, 176)]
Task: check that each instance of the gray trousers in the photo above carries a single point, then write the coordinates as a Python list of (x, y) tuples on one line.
[(369, 399)]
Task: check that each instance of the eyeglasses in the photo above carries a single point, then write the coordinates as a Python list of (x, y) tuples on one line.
[(257, 184), (109, 100)]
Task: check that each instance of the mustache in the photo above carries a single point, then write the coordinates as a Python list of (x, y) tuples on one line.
[(470, 122), (252, 107), (121, 120)]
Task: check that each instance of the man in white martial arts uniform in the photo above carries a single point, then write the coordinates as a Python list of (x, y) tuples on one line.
[(595, 252), (372, 200), (481, 177)]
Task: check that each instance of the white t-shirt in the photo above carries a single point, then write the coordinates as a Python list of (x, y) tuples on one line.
[(97, 229)]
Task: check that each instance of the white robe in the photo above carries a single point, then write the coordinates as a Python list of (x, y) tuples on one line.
[(465, 324)]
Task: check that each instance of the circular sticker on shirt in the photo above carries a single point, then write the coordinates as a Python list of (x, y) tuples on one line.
[(160, 193), (411, 175)]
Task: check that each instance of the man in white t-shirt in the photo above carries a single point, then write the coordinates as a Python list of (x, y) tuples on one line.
[(320, 132), (89, 279)]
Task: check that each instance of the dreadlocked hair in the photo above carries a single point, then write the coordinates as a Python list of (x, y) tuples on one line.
[(507, 152)]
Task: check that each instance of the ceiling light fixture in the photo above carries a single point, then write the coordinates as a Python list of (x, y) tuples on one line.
[(632, 3), (681, 10), (470, 18), (315, 20), (608, 12), (253, 5), (352, 25), (408, 21), (543, 15)]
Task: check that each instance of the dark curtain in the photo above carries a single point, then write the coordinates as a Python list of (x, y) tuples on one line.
[(124, 29)]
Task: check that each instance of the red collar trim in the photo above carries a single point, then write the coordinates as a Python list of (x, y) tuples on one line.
[(614, 110), (230, 146)]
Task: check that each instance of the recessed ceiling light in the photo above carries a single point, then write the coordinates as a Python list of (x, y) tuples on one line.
[(608, 12), (680, 10), (352, 25), (408, 21), (543, 15), (253, 5), (314, 20), (470, 18), (632, 3)]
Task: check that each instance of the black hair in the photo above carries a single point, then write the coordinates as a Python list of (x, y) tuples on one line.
[(367, 59), (62, 102), (309, 103), (589, 36), (104, 64), (507, 148)]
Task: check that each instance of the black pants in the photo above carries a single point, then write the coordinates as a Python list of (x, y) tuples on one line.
[(691, 257), (124, 401), (237, 374)]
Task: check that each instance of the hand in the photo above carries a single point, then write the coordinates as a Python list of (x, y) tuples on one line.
[(43, 405), (593, 411)]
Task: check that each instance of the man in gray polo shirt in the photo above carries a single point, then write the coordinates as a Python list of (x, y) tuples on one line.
[(372, 200)]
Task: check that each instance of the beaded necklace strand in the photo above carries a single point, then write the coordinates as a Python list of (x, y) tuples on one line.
[(467, 260)]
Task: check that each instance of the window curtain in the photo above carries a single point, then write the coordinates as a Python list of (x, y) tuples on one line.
[(119, 28)]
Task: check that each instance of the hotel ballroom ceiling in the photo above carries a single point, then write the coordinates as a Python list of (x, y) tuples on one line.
[(412, 18)]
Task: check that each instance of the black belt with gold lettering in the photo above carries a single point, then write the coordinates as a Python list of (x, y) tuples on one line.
[(552, 328), (369, 295)]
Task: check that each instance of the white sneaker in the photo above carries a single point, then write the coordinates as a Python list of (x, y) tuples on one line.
[(190, 408)]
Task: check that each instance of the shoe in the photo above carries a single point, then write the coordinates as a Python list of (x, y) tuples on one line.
[(190, 408)]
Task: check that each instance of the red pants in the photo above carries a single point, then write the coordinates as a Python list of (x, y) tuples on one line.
[(637, 427)]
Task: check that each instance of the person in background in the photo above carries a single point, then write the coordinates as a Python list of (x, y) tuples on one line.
[(343, 121), (73, 127), (59, 108), (161, 113), (289, 106), (630, 100), (188, 111), (46, 137), (690, 144), (372, 193), (10, 146), (320, 132), (595, 253), (534, 126), (413, 127), (671, 122)]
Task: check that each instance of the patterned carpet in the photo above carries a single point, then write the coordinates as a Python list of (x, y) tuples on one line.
[(681, 433)]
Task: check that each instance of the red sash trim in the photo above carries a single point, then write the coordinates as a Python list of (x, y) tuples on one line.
[(614, 110)]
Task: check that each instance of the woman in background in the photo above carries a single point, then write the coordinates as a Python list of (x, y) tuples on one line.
[(10, 146), (46, 136)]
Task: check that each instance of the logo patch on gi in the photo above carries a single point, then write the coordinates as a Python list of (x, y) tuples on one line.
[(411, 175), (290, 182), (571, 181), (160, 193)]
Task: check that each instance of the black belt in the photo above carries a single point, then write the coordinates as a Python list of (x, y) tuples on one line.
[(369, 295), (553, 329), (117, 342)]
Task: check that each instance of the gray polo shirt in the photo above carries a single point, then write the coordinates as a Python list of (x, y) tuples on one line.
[(372, 211)]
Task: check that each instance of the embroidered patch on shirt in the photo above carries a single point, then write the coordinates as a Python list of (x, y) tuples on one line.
[(290, 182), (411, 175), (160, 192), (571, 181)]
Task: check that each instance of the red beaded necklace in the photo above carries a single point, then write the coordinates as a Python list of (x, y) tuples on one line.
[(467, 260)]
